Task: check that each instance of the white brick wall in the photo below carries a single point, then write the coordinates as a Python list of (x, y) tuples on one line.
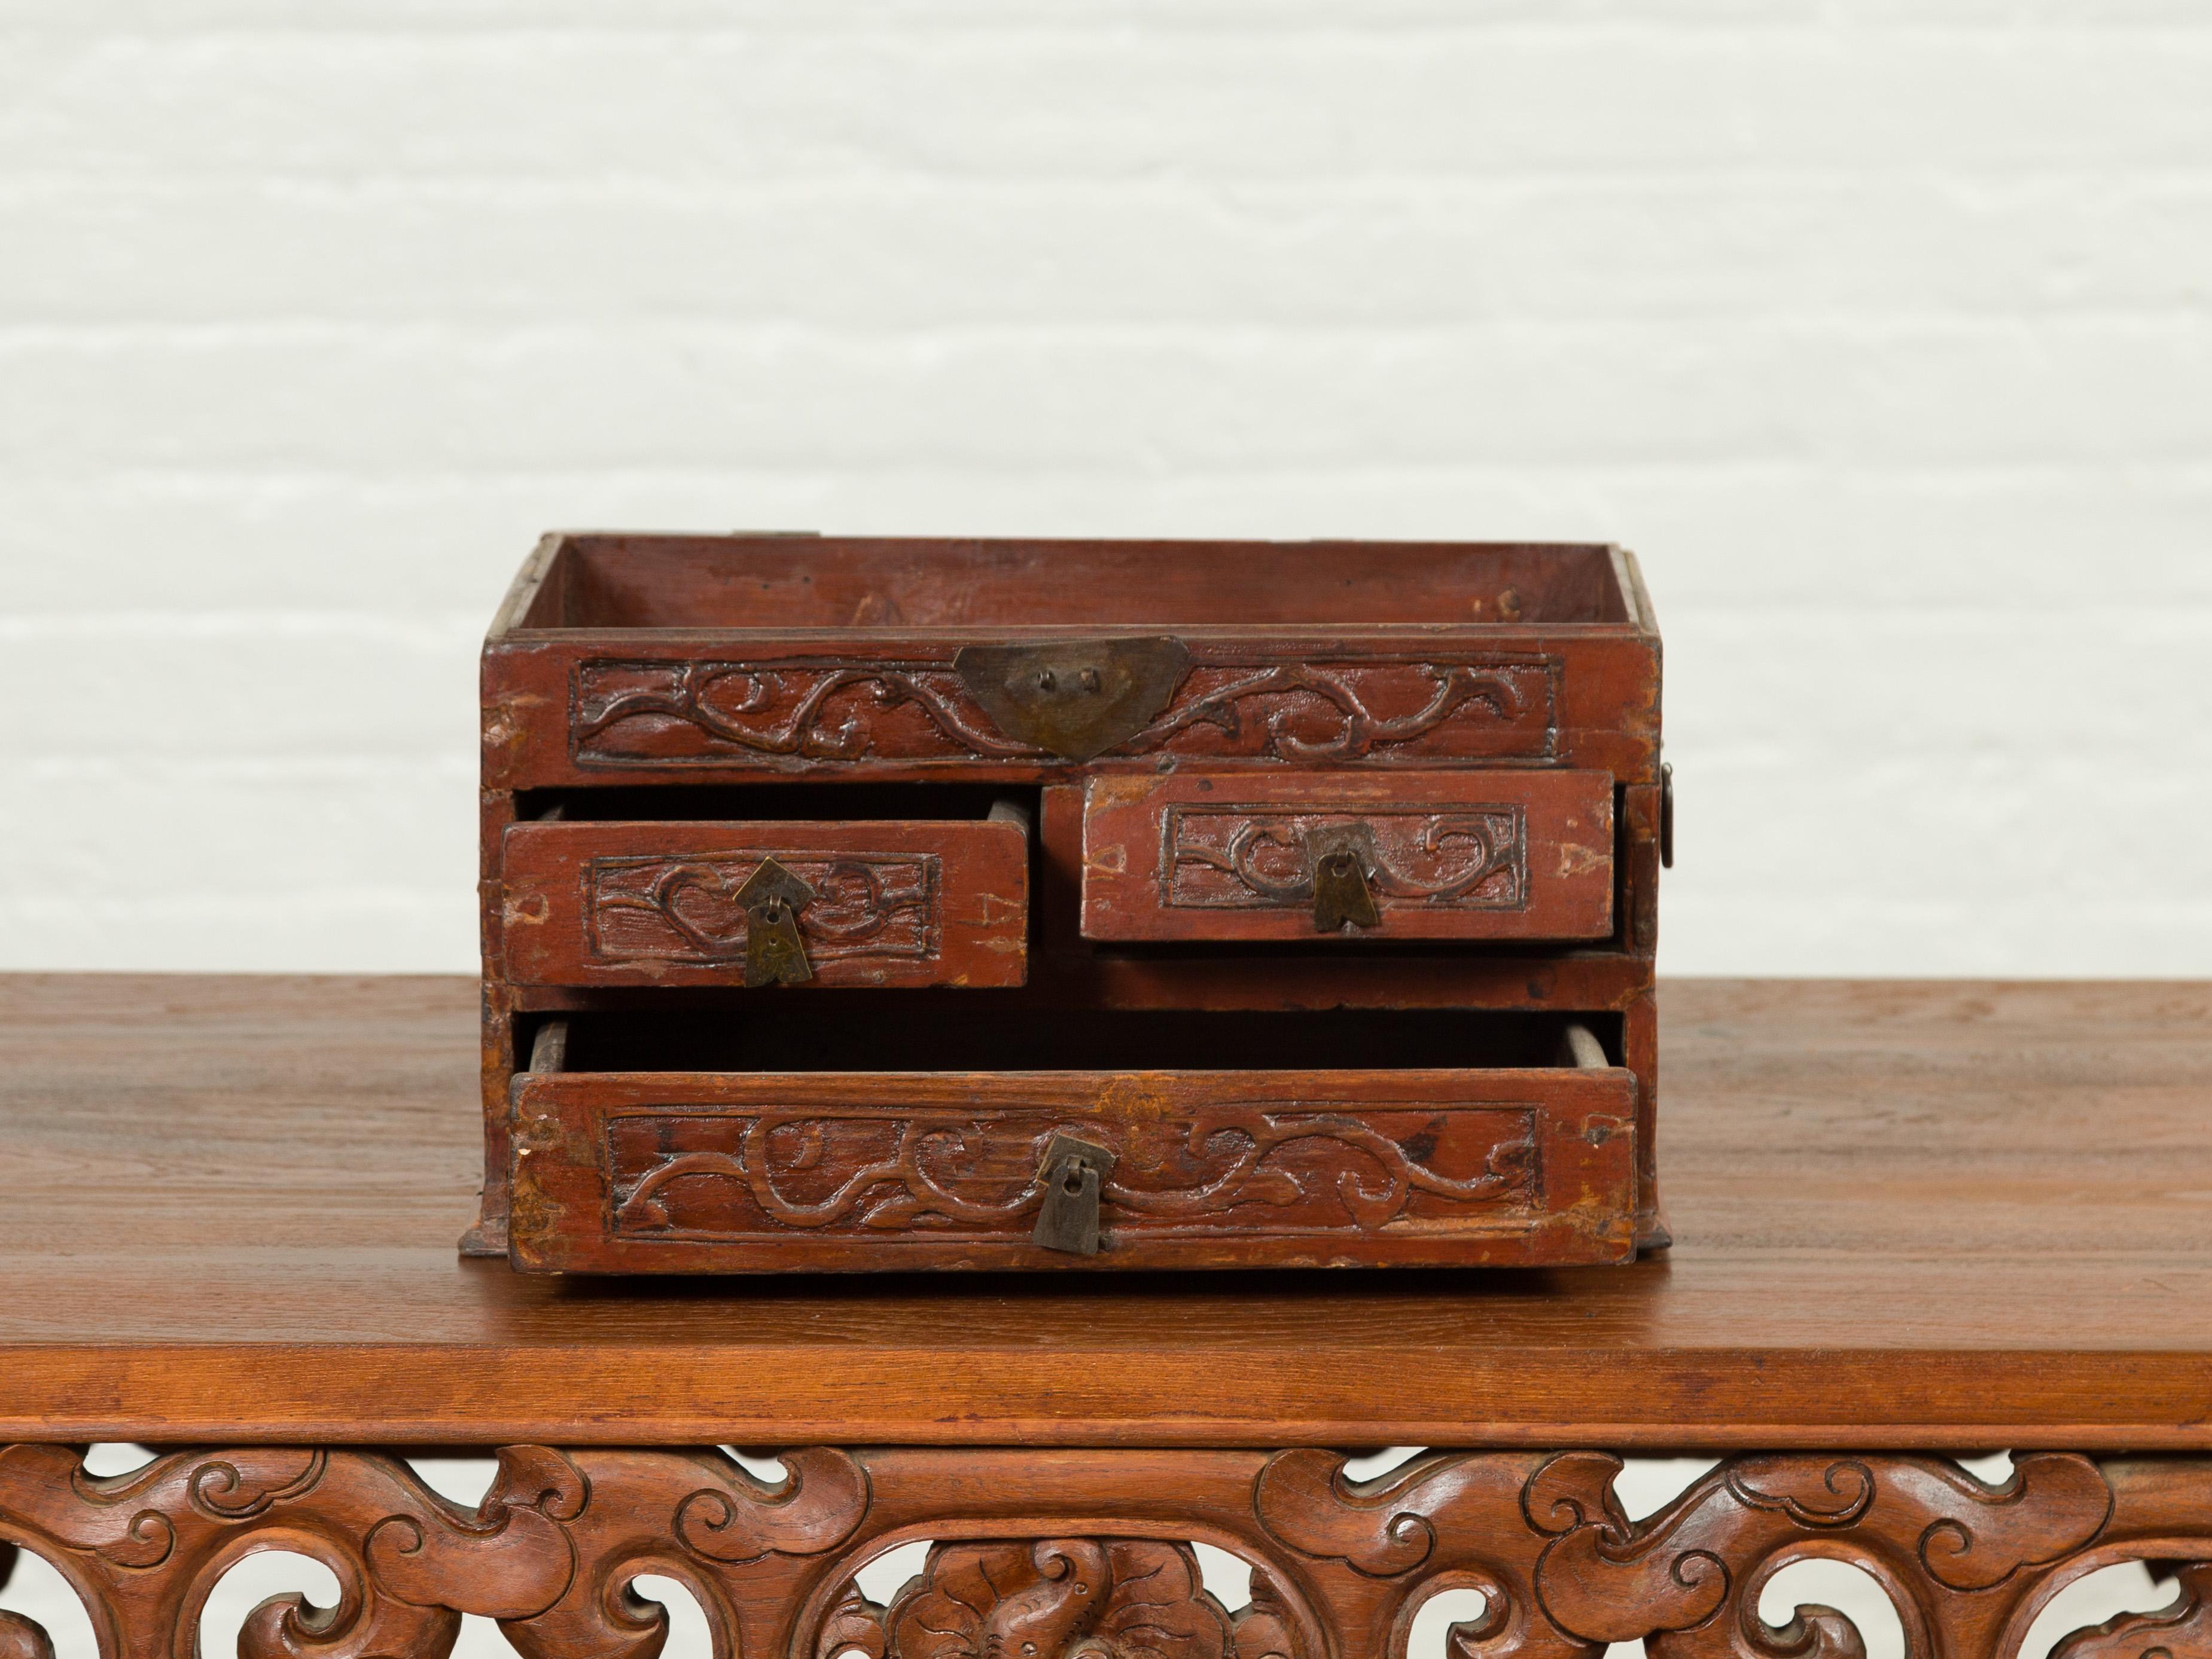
[(1882, 330)]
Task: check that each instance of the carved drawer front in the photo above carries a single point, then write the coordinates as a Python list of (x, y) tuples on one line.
[(1425, 856), (868, 903), (702, 1172), (898, 706)]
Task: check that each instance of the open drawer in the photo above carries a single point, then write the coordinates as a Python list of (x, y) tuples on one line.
[(872, 903), (1409, 855), (898, 1140)]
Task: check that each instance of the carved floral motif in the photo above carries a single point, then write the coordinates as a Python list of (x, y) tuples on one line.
[(792, 713), (1096, 1598), (977, 1174), (1063, 1596), (1073, 1554)]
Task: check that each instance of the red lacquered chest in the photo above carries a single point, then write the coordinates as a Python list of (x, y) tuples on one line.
[(864, 903)]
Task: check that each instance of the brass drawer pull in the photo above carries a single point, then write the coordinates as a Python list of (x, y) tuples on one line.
[(775, 954), (1072, 1171), (1341, 896)]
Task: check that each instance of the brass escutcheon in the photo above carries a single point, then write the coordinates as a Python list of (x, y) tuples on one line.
[(1074, 698)]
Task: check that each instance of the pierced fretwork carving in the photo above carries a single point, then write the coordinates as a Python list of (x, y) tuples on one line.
[(2180, 1630), (1085, 1554)]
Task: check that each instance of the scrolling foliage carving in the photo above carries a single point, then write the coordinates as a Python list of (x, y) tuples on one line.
[(1239, 857), (549, 1553), (1966, 1565), (1070, 1554), (798, 714), (978, 1175)]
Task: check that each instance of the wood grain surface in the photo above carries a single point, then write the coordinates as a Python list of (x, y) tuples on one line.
[(1952, 1216)]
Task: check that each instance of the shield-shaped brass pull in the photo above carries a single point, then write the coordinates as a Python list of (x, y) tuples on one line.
[(775, 954), (1341, 896), (1073, 1172)]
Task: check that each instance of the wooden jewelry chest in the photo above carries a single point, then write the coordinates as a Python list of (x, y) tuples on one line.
[(857, 903)]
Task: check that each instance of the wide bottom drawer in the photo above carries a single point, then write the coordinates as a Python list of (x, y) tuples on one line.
[(840, 1170)]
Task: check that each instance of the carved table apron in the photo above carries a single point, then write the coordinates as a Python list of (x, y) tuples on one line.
[(1084, 1551), (229, 1231)]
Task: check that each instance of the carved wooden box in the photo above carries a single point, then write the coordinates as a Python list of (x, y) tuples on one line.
[(857, 903)]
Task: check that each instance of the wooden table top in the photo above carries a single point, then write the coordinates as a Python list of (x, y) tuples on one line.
[(1955, 1216)]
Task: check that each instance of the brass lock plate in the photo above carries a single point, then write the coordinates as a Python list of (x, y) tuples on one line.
[(1073, 1173), (1076, 698), (771, 898)]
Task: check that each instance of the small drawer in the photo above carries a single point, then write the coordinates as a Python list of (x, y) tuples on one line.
[(888, 903), (1409, 855), (736, 1170)]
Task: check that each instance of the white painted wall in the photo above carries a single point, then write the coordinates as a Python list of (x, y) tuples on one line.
[(1882, 330)]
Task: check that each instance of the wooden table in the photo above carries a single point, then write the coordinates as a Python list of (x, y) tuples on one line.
[(1912, 1220)]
